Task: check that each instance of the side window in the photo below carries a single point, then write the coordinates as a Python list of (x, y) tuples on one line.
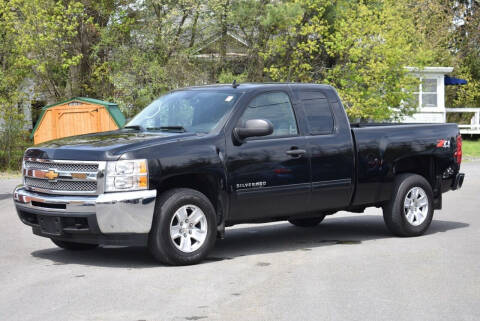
[(276, 108), (319, 116)]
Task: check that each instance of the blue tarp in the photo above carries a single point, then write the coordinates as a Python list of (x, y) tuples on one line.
[(450, 81)]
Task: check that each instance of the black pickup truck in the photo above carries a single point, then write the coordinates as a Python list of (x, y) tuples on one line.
[(199, 159)]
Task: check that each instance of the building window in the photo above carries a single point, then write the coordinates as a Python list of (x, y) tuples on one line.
[(427, 95)]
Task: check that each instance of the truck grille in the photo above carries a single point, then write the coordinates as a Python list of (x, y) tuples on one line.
[(62, 177), (61, 185), (92, 168)]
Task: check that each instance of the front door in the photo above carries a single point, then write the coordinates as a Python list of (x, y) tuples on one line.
[(269, 176)]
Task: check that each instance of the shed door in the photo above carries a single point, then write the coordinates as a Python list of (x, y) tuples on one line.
[(77, 120)]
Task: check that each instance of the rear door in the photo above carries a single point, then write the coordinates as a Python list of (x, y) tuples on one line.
[(330, 146), (269, 176)]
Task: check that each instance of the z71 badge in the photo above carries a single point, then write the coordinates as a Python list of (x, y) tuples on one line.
[(250, 185), (443, 143)]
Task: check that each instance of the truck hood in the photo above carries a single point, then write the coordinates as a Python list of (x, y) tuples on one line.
[(102, 146)]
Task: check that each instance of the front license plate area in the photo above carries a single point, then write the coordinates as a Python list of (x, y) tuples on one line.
[(50, 225)]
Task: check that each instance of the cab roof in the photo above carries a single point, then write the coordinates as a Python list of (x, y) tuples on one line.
[(251, 86)]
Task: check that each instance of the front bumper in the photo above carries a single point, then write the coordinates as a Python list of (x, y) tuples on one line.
[(112, 213)]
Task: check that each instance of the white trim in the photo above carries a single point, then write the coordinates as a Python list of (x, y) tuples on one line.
[(474, 126), (217, 37), (439, 92), (440, 70)]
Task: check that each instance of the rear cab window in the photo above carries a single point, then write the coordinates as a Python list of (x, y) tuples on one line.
[(318, 112)]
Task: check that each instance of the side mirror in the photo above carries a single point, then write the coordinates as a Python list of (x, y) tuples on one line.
[(253, 128)]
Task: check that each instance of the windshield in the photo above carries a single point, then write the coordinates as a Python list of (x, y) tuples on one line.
[(191, 111)]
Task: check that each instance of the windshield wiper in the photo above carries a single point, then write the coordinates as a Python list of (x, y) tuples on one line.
[(180, 129), (135, 127)]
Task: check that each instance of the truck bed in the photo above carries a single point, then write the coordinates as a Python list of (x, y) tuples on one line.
[(385, 149)]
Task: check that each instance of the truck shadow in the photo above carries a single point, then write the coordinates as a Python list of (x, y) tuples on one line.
[(332, 231), (252, 240)]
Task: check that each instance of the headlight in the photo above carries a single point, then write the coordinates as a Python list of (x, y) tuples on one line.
[(126, 175)]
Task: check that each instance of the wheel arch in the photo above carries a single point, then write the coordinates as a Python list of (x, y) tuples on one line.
[(209, 184), (425, 166)]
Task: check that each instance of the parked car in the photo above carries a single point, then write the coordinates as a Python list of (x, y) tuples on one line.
[(200, 159)]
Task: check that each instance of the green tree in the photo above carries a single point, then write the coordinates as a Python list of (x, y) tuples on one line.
[(45, 32), (131, 51), (13, 70), (360, 47), (466, 40), (372, 44), (258, 23), (147, 46), (298, 51)]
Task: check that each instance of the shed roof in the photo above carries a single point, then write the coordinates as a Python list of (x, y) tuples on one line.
[(112, 109)]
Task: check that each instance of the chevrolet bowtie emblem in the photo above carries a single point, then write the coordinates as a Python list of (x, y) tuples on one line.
[(51, 175)]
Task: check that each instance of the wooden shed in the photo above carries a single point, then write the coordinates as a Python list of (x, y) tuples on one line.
[(76, 116)]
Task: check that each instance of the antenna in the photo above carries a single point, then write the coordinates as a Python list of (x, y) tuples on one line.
[(235, 85)]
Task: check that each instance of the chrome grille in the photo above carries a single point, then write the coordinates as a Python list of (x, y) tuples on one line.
[(63, 167), (63, 176), (77, 186)]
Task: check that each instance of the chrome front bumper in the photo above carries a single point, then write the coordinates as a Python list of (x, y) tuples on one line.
[(122, 212)]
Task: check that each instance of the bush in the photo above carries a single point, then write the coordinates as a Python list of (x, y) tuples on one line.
[(13, 145), (227, 77)]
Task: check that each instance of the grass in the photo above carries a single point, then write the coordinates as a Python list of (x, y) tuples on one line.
[(10, 174), (471, 148)]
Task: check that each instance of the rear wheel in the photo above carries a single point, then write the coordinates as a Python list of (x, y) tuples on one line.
[(307, 222), (410, 211), (184, 227), (72, 246)]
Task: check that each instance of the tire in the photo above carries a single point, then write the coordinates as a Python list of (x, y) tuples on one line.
[(307, 222), (72, 246), (407, 220), (173, 240)]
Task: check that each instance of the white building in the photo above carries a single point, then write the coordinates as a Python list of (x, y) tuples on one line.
[(430, 96)]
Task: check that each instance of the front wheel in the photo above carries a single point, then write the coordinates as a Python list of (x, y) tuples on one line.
[(184, 227), (72, 246), (410, 211)]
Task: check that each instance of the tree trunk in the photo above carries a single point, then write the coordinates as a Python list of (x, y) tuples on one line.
[(224, 35)]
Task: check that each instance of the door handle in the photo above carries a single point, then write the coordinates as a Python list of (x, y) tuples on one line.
[(296, 152)]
